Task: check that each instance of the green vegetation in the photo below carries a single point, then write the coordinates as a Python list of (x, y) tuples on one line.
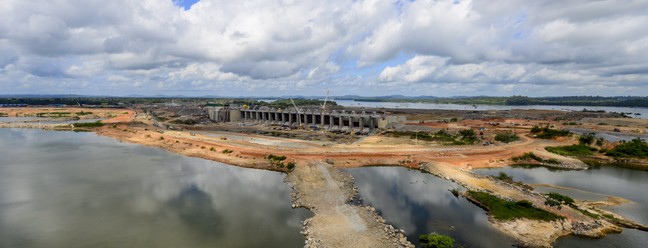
[(291, 166), (227, 151), (531, 156), (435, 240), (210, 149), (275, 157), (561, 198), (278, 161), (508, 210), (2, 114), (88, 124), (587, 139), (636, 148), (506, 137), (83, 113), (548, 133), (572, 150), (464, 137), (557, 200), (509, 179)]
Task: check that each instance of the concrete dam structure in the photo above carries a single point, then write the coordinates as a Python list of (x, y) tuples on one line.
[(334, 121)]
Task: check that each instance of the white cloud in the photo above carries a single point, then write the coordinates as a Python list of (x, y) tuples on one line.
[(310, 46)]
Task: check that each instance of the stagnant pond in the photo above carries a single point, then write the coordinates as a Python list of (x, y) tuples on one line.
[(593, 184), (66, 189)]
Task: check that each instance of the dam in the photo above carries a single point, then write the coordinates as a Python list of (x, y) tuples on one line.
[(334, 120)]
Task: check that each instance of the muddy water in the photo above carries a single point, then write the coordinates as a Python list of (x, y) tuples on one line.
[(421, 203), (594, 184), (65, 189)]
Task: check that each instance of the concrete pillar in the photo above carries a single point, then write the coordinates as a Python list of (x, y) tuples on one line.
[(314, 120), (350, 122), (340, 121), (330, 120), (322, 120), (360, 123), (290, 121)]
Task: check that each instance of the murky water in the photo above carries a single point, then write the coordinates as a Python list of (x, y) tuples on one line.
[(65, 189), (603, 180), (420, 203)]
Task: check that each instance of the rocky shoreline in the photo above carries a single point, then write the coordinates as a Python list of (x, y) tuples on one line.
[(535, 233)]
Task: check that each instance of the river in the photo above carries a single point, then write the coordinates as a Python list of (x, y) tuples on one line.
[(593, 184), (66, 189), (420, 203), (643, 112)]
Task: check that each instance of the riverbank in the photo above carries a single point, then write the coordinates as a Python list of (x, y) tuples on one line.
[(339, 224)]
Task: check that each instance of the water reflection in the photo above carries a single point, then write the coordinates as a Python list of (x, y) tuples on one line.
[(65, 189), (608, 180), (421, 203)]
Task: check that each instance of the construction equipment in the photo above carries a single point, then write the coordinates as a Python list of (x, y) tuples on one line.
[(298, 112), (325, 100)]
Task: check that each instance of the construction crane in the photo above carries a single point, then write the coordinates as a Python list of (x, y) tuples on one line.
[(325, 100), (298, 112)]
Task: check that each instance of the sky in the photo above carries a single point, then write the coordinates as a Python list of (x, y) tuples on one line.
[(300, 47)]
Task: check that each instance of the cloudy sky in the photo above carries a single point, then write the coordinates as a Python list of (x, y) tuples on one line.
[(291, 47)]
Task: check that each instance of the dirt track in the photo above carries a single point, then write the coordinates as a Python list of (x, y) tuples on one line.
[(326, 191)]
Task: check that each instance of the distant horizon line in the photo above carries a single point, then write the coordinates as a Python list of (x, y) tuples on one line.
[(294, 96)]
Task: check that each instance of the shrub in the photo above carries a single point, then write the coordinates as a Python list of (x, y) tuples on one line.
[(211, 149), (88, 124), (435, 240), (506, 137), (587, 139), (527, 156), (504, 177), (291, 166), (561, 198), (227, 151), (635, 148), (573, 150)]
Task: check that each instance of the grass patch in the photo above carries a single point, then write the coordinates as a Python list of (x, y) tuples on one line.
[(88, 124), (83, 113), (506, 137), (509, 210), (573, 150)]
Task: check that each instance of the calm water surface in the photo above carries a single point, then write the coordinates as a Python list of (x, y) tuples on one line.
[(643, 112), (65, 189), (421, 203), (604, 180)]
